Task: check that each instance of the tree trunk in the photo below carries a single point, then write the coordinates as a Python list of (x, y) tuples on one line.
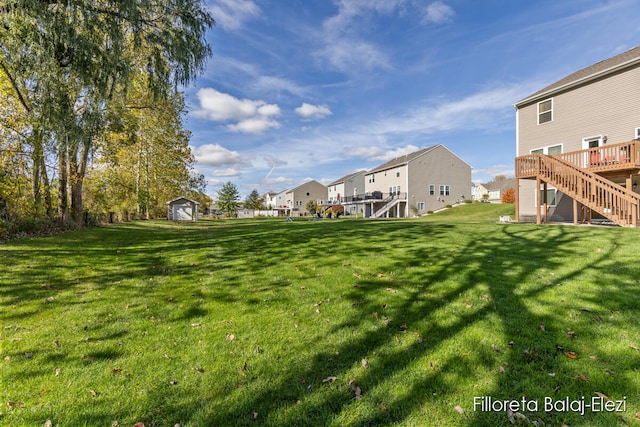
[(63, 202)]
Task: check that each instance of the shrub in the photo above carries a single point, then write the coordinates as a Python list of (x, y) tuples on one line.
[(509, 195)]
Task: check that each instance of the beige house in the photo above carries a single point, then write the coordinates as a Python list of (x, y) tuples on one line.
[(577, 145), (426, 180), (295, 200)]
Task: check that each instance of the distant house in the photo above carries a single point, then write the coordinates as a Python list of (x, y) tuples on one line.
[(492, 192), (578, 148), (426, 180), (349, 185), (296, 199), (270, 199), (182, 209)]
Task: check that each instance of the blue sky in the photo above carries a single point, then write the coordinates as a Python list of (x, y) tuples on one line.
[(317, 89)]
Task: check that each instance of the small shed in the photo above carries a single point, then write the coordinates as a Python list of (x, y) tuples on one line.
[(182, 209)]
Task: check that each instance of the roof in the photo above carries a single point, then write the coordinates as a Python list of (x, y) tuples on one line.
[(500, 185), (346, 178), (182, 198), (597, 70), (402, 160)]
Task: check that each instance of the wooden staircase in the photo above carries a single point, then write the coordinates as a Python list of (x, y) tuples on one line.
[(599, 194)]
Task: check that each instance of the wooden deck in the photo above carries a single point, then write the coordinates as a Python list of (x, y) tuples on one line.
[(585, 176)]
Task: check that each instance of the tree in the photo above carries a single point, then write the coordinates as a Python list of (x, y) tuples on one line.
[(67, 62), (509, 195), (254, 201), (228, 197), (312, 207)]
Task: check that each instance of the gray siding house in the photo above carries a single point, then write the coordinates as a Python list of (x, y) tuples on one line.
[(410, 185), (580, 130), (297, 199), (349, 185)]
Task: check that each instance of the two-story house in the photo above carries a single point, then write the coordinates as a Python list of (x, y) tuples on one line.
[(296, 199), (349, 185), (577, 145), (426, 180)]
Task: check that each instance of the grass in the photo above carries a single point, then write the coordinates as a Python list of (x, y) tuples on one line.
[(265, 322)]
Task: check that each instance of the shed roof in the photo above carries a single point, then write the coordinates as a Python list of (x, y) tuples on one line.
[(599, 69), (170, 202)]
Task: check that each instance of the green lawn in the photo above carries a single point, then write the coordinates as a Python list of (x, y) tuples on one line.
[(334, 322)]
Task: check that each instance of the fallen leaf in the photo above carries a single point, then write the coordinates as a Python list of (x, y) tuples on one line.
[(404, 327), (602, 396), (255, 415), (571, 354), (199, 370), (365, 363), (357, 275), (467, 304), (501, 369), (47, 423), (166, 356), (582, 378), (57, 371), (356, 389), (542, 327), (195, 325), (115, 424), (93, 393), (230, 337), (495, 348), (459, 410), (375, 314), (585, 309), (138, 424), (172, 382), (609, 372), (393, 291), (329, 379), (635, 347)]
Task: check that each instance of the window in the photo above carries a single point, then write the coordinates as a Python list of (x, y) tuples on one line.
[(552, 149), (394, 190), (551, 197), (372, 178), (420, 206), (637, 134), (397, 172), (545, 111), (592, 142), (445, 190), (432, 189)]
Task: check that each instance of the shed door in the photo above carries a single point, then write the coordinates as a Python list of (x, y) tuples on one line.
[(182, 213)]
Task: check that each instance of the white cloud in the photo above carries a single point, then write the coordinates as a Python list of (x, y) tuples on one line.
[(276, 84), (252, 117), (217, 155), (372, 153), (273, 162), (226, 172), (438, 13), (311, 112), (232, 14), (351, 55)]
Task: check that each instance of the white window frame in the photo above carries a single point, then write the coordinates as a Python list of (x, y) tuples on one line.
[(587, 140), (545, 150), (445, 190), (432, 189), (539, 114), (421, 206)]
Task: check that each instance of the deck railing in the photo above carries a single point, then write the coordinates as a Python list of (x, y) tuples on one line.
[(606, 157), (609, 199)]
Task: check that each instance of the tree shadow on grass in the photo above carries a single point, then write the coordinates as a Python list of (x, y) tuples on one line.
[(438, 297)]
